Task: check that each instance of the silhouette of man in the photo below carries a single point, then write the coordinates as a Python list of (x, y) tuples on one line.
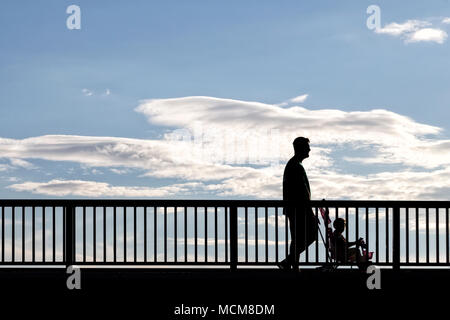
[(296, 189)]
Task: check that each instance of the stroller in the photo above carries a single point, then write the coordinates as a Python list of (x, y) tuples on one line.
[(362, 259)]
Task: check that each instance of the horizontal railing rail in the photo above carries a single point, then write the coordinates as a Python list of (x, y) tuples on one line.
[(212, 232)]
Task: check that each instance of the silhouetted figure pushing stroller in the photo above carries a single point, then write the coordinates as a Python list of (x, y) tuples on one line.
[(296, 189)]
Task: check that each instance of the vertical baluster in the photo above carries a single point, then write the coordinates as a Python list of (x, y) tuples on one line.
[(33, 234), (3, 234), (115, 233), (407, 234), (13, 234), (54, 233), (84, 234), (347, 222), (276, 235), (233, 238), (145, 233), (155, 233), (437, 235), (175, 232), (286, 233), (64, 213), (387, 234), (125, 257), (327, 239), (396, 238), (256, 234), (215, 235), (94, 244), (427, 234), (417, 236), (367, 230), (104, 234), (69, 232), (195, 235), (206, 234), (23, 234), (185, 236), (447, 235), (377, 231), (336, 216), (316, 211), (226, 233), (356, 224), (165, 234), (43, 234), (246, 234), (135, 234), (266, 233)]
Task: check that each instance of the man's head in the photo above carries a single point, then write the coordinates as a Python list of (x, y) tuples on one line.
[(301, 147), (339, 225)]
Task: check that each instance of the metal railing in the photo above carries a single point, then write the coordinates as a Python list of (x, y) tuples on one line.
[(211, 232)]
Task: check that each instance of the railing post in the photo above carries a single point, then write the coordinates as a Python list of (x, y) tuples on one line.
[(233, 238), (69, 229), (396, 238)]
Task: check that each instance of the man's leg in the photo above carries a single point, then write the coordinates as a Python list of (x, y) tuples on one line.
[(306, 234), (286, 264), (301, 238), (294, 244), (299, 243)]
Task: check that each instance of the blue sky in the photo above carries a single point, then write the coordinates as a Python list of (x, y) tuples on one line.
[(87, 91)]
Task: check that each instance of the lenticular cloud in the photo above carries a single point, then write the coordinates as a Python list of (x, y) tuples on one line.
[(227, 148)]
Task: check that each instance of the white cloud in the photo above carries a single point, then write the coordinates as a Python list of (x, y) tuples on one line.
[(428, 34), (21, 163), (446, 20), (120, 171), (240, 125), (392, 185), (414, 31), (326, 124), (237, 157), (300, 99), (90, 151), (398, 29), (99, 189), (96, 172), (87, 92), (16, 163)]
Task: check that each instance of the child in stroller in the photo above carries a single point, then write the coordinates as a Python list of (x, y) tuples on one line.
[(343, 251)]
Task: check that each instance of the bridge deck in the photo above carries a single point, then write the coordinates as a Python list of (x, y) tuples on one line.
[(152, 292)]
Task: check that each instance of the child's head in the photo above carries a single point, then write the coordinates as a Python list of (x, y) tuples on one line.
[(339, 224)]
